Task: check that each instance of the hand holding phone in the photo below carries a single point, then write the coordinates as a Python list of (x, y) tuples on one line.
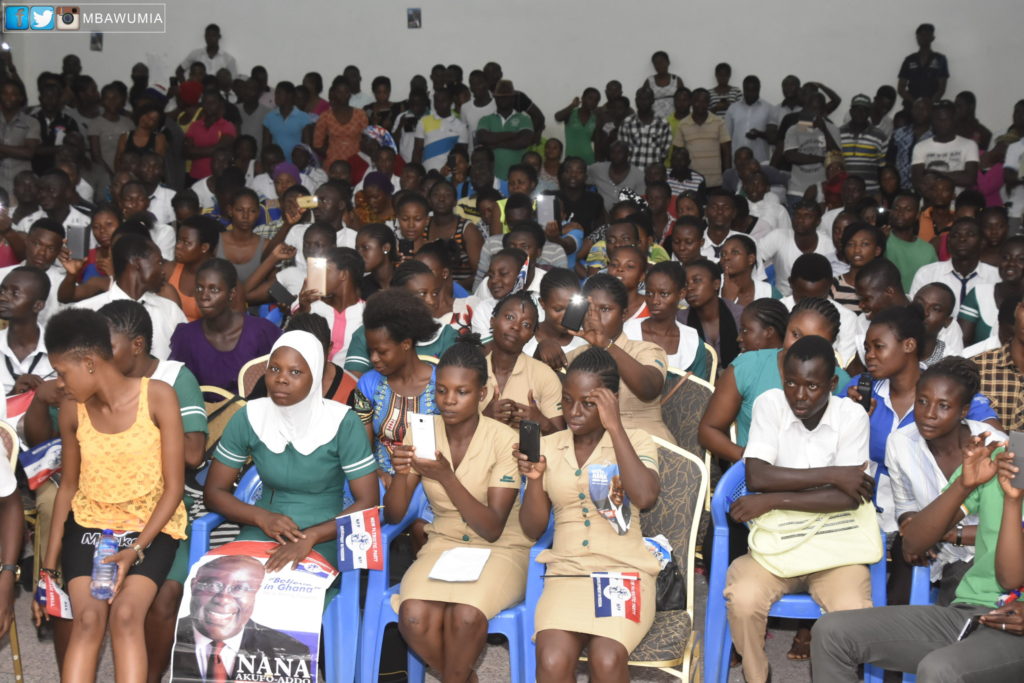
[(864, 388), (316, 274), (575, 313), (1016, 446), (529, 439), (421, 427)]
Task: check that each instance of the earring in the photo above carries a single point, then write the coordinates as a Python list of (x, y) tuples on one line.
[(91, 369)]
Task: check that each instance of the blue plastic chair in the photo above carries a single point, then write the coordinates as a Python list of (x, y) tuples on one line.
[(717, 634), (515, 623), (340, 619)]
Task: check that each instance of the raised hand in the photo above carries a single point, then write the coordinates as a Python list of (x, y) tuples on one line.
[(979, 467)]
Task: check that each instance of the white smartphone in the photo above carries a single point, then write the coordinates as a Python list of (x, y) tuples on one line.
[(422, 429), (316, 274), (545, 209)]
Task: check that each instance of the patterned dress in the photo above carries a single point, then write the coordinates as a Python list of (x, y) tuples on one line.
[(387, 412)]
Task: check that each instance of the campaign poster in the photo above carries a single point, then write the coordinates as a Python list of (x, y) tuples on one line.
[(238, 622)]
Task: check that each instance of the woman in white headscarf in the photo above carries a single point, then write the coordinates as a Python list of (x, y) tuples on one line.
[(304, 447)]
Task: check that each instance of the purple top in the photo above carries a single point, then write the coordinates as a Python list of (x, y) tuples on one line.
[(220, 368)]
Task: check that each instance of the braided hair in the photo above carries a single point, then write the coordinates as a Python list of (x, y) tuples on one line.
[(771, 313), (129, 318), (598, 362), (822, 307), (466, 353), (961, 371)]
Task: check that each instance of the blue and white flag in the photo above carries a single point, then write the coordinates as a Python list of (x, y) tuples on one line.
[(617, 594)]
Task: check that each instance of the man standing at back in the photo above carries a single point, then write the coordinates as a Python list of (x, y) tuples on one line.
[(211, 56), (647, 135), (923, 73), (750, 121), (705, 135), (507, 132), (863, 145)]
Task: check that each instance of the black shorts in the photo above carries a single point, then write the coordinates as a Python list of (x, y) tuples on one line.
[(79, 544)]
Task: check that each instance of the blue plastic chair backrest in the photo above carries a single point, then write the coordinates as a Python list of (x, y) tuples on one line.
[(731, 487)]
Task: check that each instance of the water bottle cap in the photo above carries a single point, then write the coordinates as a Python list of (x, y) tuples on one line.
[(108, 532)]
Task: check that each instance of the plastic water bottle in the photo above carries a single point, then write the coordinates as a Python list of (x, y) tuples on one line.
[(104, 576)]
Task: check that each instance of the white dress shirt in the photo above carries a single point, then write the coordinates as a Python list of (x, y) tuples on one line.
[(35, 363), (917, 481), (160, 204), (165, 314), (741, 118), (942, 271), (779, 437), (771, 209), (204, 648), (74, 218)]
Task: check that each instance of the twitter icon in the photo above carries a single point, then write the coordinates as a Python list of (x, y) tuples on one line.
[(42, 18)]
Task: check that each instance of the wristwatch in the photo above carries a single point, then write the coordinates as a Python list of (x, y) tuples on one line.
[(14, 569), (140, 551)]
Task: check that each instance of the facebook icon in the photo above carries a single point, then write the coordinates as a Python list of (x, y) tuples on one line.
[(16, 18)]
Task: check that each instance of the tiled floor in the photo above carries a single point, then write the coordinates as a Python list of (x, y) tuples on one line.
[(40, 667)]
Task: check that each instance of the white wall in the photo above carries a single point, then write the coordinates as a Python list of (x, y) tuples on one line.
[(553, 48)]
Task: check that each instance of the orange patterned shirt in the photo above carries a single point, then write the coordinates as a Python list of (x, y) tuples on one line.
[(121, 477), (342, 139)]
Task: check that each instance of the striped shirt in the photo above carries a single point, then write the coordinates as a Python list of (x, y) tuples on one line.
[(440, 136), (863, 153)]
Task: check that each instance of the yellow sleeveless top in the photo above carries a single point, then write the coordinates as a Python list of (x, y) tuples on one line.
[(121, 476)]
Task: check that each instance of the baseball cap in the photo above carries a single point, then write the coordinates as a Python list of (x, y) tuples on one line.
[(861, 100)]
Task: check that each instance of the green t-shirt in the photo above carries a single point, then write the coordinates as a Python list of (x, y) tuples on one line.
[(358, 356), (503, 156), (979, 585), (579, 136), (908, 257)]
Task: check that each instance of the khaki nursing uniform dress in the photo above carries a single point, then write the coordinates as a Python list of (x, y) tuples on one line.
[(585, 542), (637, 414), (488, 463), (528, 374)]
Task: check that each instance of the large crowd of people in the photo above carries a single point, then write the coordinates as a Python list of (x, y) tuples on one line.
[(848, 277)]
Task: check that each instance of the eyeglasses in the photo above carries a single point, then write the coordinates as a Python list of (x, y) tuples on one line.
[(234, 590)]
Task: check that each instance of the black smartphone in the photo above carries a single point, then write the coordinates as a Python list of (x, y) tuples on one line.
[(970, 627), (405, 246), (575, 312), (864, 389), (1017, 448), (529, 439), (281, 295), (78, 241)]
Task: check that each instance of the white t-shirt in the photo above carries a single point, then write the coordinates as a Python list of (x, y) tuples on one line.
[(779, 438), (471, 114), (440, 136), (1014, 161), (780, 248), (689, 342), (205, 194), (221, 60), (945, 157)]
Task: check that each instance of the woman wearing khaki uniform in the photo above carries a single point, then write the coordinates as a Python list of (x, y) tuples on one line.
[(472, 487), (520, 387), (599, 534), (641, 365)]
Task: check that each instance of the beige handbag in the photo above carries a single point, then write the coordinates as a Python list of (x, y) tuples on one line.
[(789, 543)]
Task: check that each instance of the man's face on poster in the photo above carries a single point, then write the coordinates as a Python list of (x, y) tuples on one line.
[(223, 597)]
